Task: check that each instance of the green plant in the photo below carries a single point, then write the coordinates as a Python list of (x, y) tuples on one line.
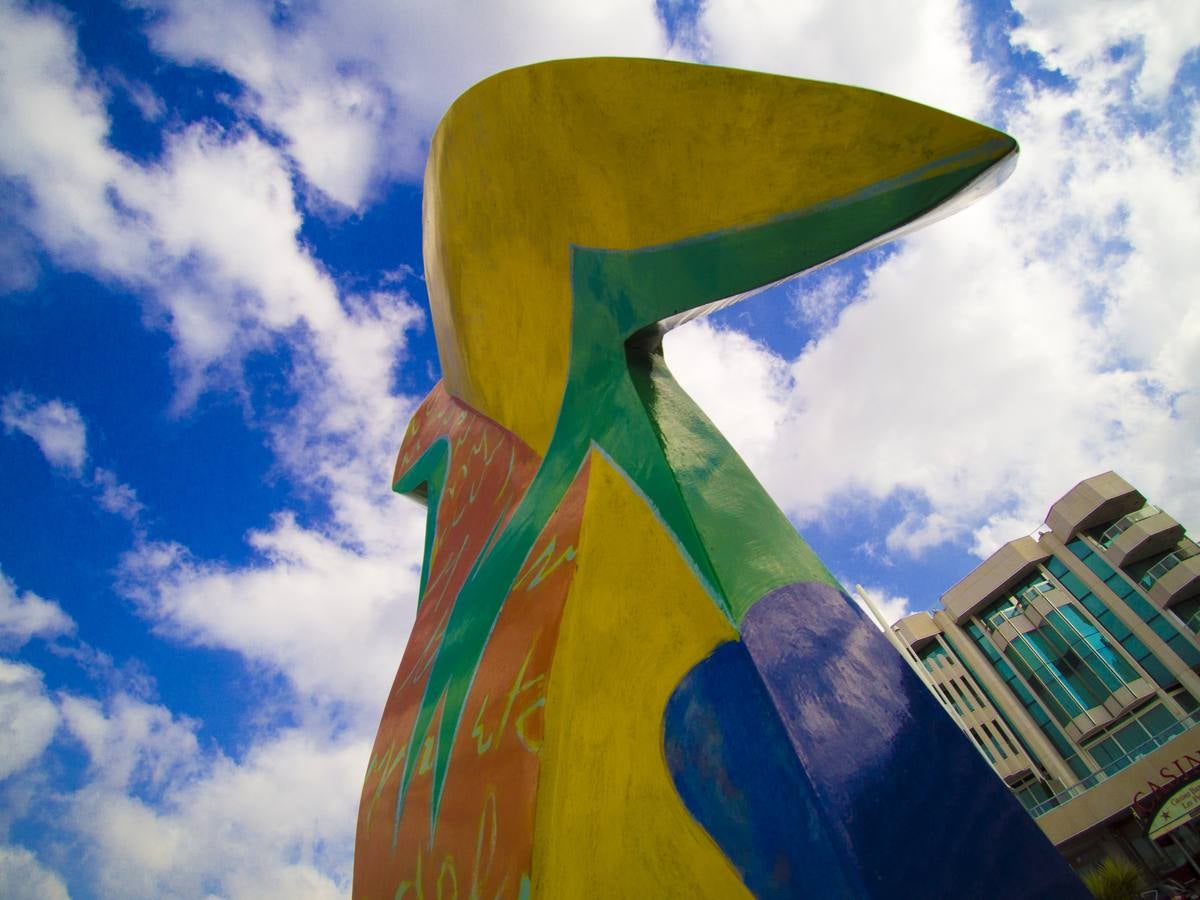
[(1114, 879)]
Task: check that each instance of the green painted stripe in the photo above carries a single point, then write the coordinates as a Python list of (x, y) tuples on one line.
[(430, 471), (617, 294)]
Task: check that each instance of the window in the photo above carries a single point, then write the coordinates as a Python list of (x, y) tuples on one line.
[(982, 746), (1032, 705), (961, 696), (1032, 793), (1008, 725), (1067, 662), (1179, 644), (935, 655), (1132, 740), (995, 743)]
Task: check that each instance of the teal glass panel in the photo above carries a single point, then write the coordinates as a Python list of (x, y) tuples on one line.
[(1078, 766), (982, 746), (1158, 720), (1179, 644), (1034, 709), (1106, 753), (1114, 626), (1119, 586), (1131, 737), (1141, 607), (1185, 649), (1074, 584), (1032, 794), (1162, 628), (1161, 674), (1102, 569)]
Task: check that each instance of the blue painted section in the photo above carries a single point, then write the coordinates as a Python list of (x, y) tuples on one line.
[(905, 795), (734, 767)]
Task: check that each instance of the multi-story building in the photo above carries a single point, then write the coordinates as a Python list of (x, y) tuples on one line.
[(1070, 658)]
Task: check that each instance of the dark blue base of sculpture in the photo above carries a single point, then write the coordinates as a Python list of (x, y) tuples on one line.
[(818, 783)]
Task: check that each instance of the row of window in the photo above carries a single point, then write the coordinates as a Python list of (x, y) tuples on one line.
[(1110, 621), (1068, 666), (1069, 663), (998, 710), (1180, 645), (1033, 707), (997, 748), (1151, 728)]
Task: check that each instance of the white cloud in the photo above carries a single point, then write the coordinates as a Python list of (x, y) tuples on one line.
[(915, 50), (280, 823), (23, 877), (28, 718), (158, 815), (1043, 336), (356, 87), (28, 616), (61, 434), (817, 301), (115, 497), (56, 427), (331, 617), (741, 385), (986, 367), (1077, 37), (208, 233), (131, 743)]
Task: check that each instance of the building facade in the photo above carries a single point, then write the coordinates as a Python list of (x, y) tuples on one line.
[(1071, 660)]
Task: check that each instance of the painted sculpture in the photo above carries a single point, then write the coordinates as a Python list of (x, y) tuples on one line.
[(629, 676)]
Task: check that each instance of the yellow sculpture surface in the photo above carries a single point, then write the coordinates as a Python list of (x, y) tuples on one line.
[(629, 676)]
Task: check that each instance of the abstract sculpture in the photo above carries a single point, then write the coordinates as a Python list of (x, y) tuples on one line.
[(629, 676)]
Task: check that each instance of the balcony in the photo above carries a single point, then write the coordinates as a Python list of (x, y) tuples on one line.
[(1174, 578), (917, 629), (1100, 499), (1131, 539), (993, 577)]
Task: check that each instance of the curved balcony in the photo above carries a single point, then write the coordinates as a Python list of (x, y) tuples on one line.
[(1143, 537)]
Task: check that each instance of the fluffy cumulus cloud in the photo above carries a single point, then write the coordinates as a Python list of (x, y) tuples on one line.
[(157, 815), (60, 433), (1045, 335), (331, 617), (22, 877), (28, 717), (156, 812), (1082, 39), (356, 87), (915, 50), (207, 236), (24, 616), (208, 232), (56, 427), (164, 818)]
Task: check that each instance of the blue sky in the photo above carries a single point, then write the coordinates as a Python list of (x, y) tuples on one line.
[(214, 328)]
